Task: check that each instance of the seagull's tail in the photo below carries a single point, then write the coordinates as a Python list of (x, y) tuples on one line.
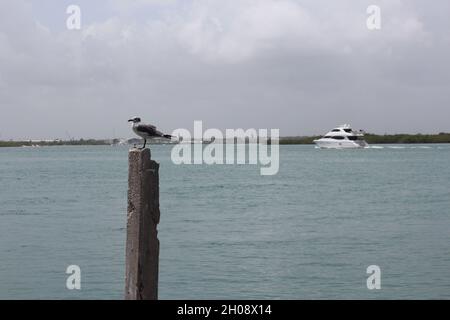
[(168, 136)]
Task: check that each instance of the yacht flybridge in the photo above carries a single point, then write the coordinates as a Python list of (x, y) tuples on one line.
[(342, 137)]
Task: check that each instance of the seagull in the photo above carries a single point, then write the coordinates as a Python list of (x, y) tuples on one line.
[(146, 131)]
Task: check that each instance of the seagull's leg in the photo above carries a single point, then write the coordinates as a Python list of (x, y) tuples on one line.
[(145, 143)]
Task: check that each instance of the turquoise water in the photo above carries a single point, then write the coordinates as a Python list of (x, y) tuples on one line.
[(226, 231)]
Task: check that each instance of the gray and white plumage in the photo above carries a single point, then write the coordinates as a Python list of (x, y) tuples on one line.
[(147, 131)]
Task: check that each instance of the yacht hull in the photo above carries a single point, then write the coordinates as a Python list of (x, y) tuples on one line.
[(344, 144)]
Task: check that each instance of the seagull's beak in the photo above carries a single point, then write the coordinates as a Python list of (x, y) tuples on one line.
[(131, 120)]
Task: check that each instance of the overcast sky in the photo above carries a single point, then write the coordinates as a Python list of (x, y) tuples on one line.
[(300, 66)]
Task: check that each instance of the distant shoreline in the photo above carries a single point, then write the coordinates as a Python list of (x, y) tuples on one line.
[(380, 139), (81, 142), (370, 138)]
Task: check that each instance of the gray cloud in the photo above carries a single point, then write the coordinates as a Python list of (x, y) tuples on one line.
[(301, 66)]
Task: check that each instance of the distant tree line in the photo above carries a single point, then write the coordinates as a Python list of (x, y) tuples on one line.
[(408, 138), (442, 137), (29, 143)]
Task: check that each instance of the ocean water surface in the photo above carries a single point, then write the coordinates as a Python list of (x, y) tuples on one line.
[(227, 232)]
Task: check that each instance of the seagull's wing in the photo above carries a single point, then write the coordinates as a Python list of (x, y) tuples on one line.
[(148, 129)]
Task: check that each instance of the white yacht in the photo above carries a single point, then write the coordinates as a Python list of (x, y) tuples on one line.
[(342, 137)]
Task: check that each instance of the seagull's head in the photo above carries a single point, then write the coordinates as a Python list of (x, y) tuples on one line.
[(135, 120)]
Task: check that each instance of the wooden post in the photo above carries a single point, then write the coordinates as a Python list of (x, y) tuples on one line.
[(142, 247)]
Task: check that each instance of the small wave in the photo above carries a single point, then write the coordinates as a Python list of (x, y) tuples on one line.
[(410, 147), (18, 213), (375, 147)]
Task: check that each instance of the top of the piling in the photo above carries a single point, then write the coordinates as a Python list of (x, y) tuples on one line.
[(140, 152)]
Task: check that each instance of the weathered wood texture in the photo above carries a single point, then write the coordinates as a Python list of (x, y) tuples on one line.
[(142, 247)]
